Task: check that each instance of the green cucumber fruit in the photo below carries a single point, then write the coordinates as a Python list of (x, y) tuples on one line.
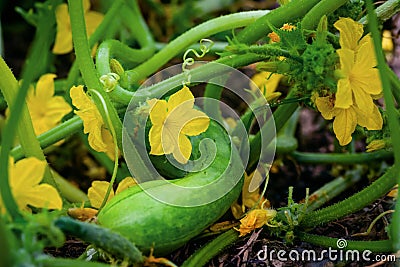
[(148, 222)]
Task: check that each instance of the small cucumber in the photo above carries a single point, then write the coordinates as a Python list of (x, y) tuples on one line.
[(148, 222)]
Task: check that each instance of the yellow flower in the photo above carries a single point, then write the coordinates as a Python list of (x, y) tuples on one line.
[(275, 37), (172, 122), (100, 138), (346, 119), (267, 82), (46, 110), (387, 41), (256, 218), (63, 42), (97, 191), (359, 78), (24, 177), (252, 199), (376, 145)]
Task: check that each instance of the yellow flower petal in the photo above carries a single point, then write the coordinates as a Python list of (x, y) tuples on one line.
[(158, 111), (93, 20), (237, 210), (172, 121), (375, 145), (25, 177), (256, 218), (325, 105), (344, 125), (86, 5), (197, 122), (344, 94), (387, 41), (63, 41), (45, 87), (267, 82), (82, 214), (182, 98), (182, 152), (251, 198), (155, 140), (41, 196), (125, 184), (27, 172), (99, 138), (97, 193), (347, 59), (365, 57), (46, 110), (79, 98), (350, 32), (363, 100), (370, 120)]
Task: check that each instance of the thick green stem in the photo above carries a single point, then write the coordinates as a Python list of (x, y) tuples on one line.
[(7, 244), (52, 136), (212, 249), (34, 63), (26, 134), (385, 11), (195, 34), (324, 7), (200, 74), (87, 67), (354, 203), (334, 188), (290, 12), (374, 246), (101, 237), (391, 112), (340, 158), (281, 116), (102, 30)]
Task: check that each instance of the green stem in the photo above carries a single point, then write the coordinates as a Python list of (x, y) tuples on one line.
[(354, 203), (374, 246), (53, 135), (101, 237), (391, 111), (324, 7), (69, 191), (26, 134), (290, 12), (34, 63), (281, 116), (385, 11), (212, 249), (334, 188), (201, 73), (217, 47), (271, 51), (195, 34), (87, 67), (60, 262), (100, 32), (340, 158), (395, 83), (7, 244)]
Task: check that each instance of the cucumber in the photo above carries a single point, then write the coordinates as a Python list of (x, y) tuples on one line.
[(148, 222)]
